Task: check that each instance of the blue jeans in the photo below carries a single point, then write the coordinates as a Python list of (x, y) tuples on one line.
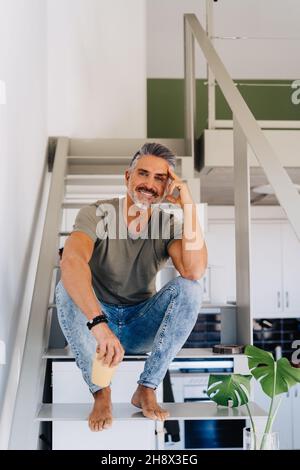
[(160, 325)]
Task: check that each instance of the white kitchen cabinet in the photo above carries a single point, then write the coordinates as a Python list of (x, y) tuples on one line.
[(291, 271), (275, 261), (220, 241), (275, 266), (205, 282), (266, 269), (287, 421), (295, 396)]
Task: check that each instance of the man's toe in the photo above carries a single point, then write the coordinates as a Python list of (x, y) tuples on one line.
[(107, 423)]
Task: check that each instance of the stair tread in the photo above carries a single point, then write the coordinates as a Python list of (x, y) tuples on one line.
[(66, 353), (185, 353), (111, 157), (121, 146), (126, 411)]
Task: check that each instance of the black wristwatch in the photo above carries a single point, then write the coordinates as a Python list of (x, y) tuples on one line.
[(95, 321)]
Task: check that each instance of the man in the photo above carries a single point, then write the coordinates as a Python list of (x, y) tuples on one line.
[(108, 279)]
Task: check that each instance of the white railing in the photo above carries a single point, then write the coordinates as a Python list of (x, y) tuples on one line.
[(28, 367)]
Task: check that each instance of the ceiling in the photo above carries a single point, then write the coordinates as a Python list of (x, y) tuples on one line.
[(217, 186)]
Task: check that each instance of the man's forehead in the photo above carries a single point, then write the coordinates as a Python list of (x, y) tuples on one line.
[(152, 163)]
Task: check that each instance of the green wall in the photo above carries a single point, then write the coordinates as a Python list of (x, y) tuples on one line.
[(165, 104)]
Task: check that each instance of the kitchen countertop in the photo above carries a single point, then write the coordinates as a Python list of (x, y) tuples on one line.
[(207, 307)]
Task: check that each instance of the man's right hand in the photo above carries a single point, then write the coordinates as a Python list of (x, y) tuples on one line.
[(109, 347)]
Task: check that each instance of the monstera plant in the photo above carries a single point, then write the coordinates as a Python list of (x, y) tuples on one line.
[(274, 377)]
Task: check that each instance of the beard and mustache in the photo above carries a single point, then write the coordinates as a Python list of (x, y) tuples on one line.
[(141, 200)]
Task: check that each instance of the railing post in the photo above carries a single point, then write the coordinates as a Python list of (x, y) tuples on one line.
[(211, 83), (242, 235), (189, 91)]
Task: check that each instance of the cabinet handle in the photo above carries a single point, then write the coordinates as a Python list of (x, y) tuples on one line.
[(296, 391), (287, 299), (278, 299), (204, 285)]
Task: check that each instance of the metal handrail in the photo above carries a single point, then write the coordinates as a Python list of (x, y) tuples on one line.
[(286, 193), (214, 123), (246, 130), (24, 428)]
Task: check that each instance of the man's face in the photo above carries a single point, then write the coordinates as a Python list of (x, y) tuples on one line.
[(147, 182)]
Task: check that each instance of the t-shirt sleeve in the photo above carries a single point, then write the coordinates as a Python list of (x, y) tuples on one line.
[(86, 221)]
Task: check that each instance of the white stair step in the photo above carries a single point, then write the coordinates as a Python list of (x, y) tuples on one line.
[(111, 166), (66, 353), (184, 353), (73, 204), (94, 180), (126, 411), (113, 147)]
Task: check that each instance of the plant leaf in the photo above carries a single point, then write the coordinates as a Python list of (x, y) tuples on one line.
[(262, 367), (234, 387)]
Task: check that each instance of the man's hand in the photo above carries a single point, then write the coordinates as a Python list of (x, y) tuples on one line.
[(109, 347), (184, 196)]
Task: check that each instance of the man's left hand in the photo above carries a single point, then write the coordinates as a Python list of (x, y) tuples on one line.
[(184, 196)]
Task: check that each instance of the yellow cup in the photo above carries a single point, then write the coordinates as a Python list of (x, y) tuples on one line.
[(101, 373)]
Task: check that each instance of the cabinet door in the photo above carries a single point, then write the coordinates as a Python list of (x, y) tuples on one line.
[(205, 281), (295, 392), (220, 241), (291, 271), (266, 270), (284, 418)]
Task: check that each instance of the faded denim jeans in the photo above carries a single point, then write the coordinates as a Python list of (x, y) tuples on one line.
[(159, 325)]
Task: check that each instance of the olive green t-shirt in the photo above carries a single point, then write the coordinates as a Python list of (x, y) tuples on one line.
[(123, 264)]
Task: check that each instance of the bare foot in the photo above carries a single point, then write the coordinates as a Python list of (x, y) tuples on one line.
[(145, 398), (101, 415)]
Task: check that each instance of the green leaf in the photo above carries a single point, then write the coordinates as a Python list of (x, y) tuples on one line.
[(234, 387), (262, 366)]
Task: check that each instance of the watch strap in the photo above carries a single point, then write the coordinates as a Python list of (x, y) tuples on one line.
[(95, 321)]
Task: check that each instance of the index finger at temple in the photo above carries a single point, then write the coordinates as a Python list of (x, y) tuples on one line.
[(172, 173)]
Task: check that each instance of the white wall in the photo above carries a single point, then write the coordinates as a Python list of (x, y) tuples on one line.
[(23, 139), (243, 58), (71, 67), (97, 68)]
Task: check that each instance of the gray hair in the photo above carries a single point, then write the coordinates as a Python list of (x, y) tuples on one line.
[(157, 150)]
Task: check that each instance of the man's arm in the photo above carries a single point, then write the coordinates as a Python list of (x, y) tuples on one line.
[(76, 274), (189, 254), (76, 277), (176, 253)]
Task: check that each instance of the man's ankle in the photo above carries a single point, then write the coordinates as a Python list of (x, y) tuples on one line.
[(146, 387), (102, 391)]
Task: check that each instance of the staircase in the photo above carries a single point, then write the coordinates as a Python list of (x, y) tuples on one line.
[(85, 170), (82, 172)]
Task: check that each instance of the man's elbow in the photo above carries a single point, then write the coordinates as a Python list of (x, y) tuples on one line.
[(194, 275)]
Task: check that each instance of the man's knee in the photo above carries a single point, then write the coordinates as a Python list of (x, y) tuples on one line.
[(191, 290)]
